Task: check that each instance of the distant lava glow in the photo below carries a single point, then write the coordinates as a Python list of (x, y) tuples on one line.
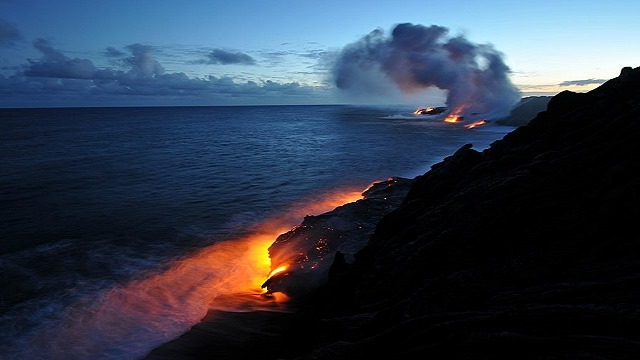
[(455, 116), (453, 119), (429, 110), (425, 110), (475, 124)]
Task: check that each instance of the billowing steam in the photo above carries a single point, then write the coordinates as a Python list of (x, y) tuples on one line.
[(416, 57)]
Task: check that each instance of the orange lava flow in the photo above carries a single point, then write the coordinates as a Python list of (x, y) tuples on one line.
[(452, 119), (475, 124), (247, 262), (320, 205), (456, 115), (277, 270)]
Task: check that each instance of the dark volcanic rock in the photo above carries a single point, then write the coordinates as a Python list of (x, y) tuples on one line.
[(250, 326), (309, 249), (238, 326), (525, 110), (527, 250)]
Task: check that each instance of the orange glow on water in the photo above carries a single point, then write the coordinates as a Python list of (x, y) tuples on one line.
[(326, 203), (159, 306)]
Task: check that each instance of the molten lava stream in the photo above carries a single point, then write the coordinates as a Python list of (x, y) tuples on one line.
[(456, 115), (140, 315), (475, 124)]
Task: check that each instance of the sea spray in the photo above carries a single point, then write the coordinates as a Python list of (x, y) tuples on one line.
[(127, 321)]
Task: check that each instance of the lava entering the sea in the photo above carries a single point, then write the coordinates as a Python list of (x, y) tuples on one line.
[(475, 124), (455, 116), (430, 110)]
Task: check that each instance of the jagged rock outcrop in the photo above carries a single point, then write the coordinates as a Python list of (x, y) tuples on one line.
[(309, 249), (526, 250), (525, 110)]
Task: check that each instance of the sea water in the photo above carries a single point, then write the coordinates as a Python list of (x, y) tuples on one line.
[(105, 212)]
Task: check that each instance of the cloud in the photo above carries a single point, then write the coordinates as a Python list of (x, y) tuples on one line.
[(226, 57), (54, 64), (413, 58), (134, 79), (315, 54), (325, 59), (274, 58), (113, 52), (583, 82), (9, 34), (142, 62)]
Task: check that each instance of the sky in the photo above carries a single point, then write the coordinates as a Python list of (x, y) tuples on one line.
[(242, 52)]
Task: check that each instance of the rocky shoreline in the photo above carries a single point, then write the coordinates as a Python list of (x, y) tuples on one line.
[(250, 325), (526, 250)]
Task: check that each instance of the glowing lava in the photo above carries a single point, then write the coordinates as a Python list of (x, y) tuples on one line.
[(455, 116), (453, 119), (425, 110), (475, 124), (277, 270), (429, 110), (278, 226)]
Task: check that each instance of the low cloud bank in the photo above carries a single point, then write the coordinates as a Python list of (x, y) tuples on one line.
[(135, 77)]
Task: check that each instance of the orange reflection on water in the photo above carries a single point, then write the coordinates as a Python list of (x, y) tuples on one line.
[(159, 306)]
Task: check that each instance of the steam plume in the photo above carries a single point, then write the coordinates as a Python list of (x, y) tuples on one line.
[(415, 57)]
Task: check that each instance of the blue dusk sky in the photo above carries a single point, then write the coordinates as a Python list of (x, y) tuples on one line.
[(242, 52)]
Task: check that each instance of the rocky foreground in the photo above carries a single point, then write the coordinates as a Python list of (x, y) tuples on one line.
[(526, 250)]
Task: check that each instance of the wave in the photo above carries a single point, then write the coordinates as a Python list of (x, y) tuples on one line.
[(127, 321)]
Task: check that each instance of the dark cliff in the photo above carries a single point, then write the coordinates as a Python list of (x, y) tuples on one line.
[(525, 110), (527, 250)]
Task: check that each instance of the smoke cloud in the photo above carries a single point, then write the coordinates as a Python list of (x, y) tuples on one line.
[(416, 57)]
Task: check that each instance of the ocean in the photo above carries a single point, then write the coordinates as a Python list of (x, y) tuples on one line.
[(113, 220)]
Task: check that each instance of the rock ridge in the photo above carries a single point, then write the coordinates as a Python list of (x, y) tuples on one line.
[(525, 250)]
